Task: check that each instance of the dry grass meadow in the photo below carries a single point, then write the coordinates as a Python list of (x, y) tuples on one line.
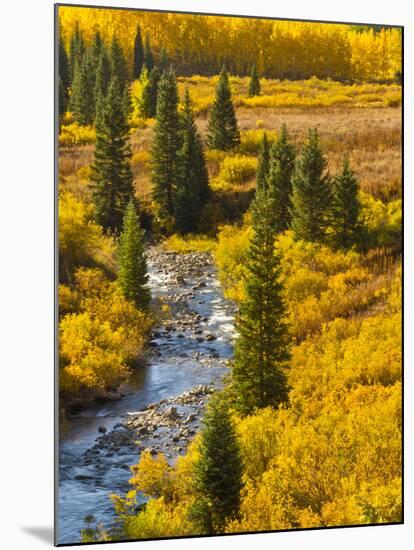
[(366, 128)]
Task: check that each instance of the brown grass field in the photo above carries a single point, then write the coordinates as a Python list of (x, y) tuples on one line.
[(367, 131)]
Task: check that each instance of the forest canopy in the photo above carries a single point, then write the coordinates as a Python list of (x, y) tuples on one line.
[(199, 45)]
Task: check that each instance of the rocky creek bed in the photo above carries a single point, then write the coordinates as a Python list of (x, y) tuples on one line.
[(162, 406)]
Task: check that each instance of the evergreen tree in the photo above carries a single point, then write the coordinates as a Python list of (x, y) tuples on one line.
[(112, 176), (148, 55), (262, 349), (118, 63), (218, 472), (64, 71), (223, 130), (138, 54), (164, 61), (119, 69), (62, 99), (263, 164), (95, 52), (346, 208), (82, 99), (312, 192), (165, 145), (132, 273), (254, 84), (281, 164), (148, 107), (76, 50), (103, 74), (192, 189)]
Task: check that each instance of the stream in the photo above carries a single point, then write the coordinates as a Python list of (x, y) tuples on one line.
[(162, 404)]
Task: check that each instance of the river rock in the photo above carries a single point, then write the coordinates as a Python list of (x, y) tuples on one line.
[(102, 429), (211, 337)]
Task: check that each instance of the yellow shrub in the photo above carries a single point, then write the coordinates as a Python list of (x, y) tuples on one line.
[(81, 240), (346, 354), (234, 171), (259, 434), (158, 520), (68, 300), (320, 284), (250, 140), (230, 258), (73, 134), (104, 300), (383, 221), (328, 469), (100, 334), (89, 353), (152, 476)]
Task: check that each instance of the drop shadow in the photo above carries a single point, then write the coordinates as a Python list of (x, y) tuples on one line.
[(44, 534)]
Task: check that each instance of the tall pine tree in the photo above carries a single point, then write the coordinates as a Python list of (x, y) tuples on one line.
[(148, 106), (82, 98), (263, 164), (132, 272), (166, 145), (218, 472), (119, 68), (63, 100), (312, 192), (76, 50), (103, 76), (223, 130), (64, 71), (262, 348), (192, 189), (346, 208), (254, 84), (148, 55), (138, 61), (94, 53), (281, 164), (112, 176), (164, 60)]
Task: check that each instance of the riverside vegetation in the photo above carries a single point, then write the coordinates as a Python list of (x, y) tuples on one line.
[(294, 187)]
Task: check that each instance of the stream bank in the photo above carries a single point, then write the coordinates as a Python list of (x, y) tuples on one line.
[(162, 405)]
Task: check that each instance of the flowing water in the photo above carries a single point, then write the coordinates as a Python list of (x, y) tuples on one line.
[(182, 358)]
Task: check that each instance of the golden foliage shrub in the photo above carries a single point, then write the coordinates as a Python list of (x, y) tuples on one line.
[(382, 220), (100, 333), (230, 256), (320, 284), (327, 467), (250, 140), (234, 171), (171, 495), (89, 353), (72, 135), (81, 239)]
